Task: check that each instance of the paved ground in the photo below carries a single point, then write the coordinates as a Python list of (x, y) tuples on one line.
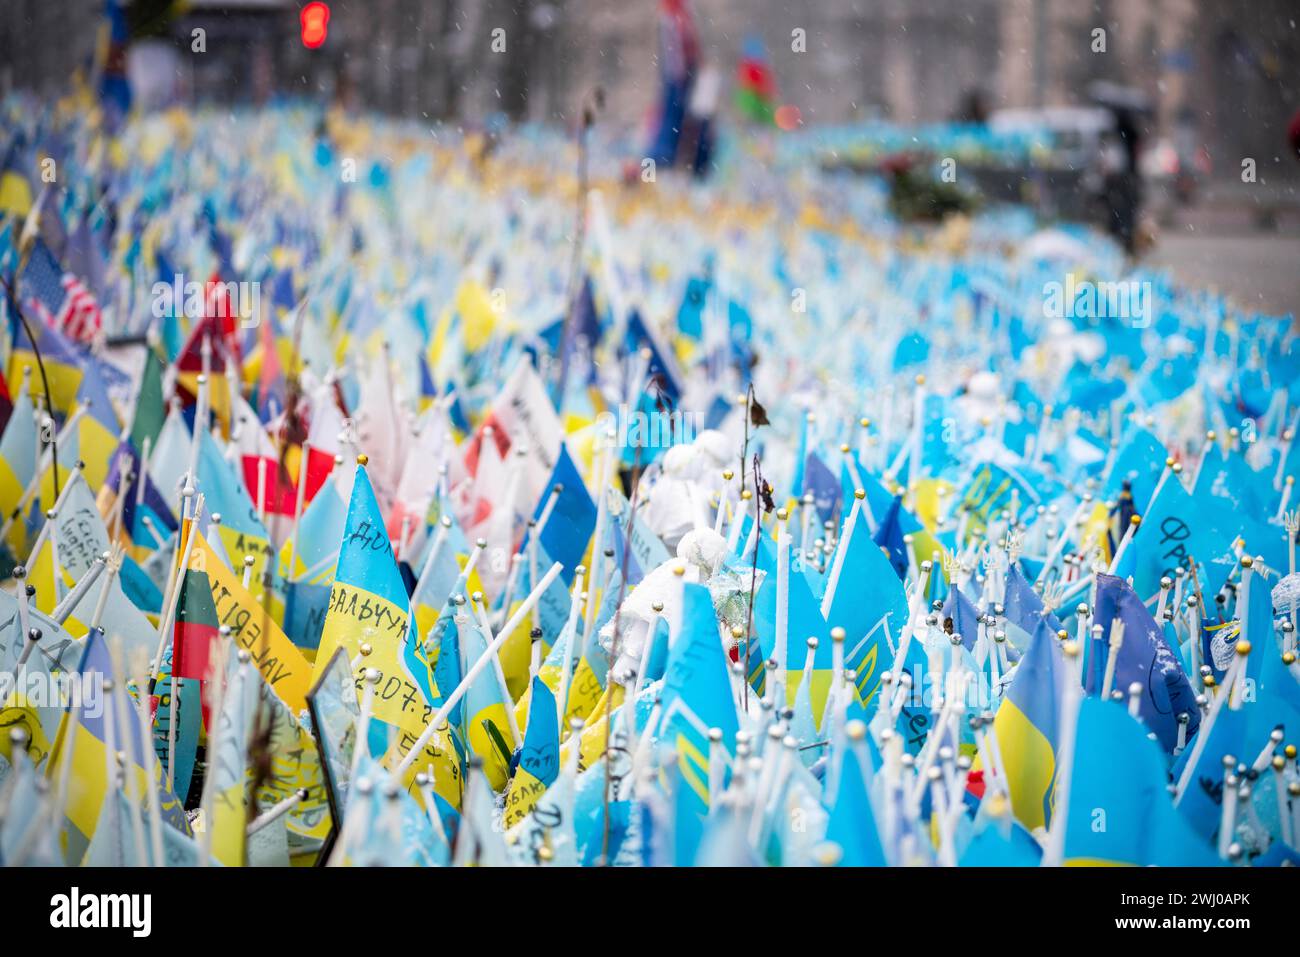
[(1220, 245), (1259, 271)]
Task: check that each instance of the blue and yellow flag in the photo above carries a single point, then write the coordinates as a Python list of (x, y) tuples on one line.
[(320, 527), (16, 172), (18, 455), (1026, 725), (63, 363), (804, 621), (487, 727), (539, 761), (98, 428), (82, 538), (1139, 462), (1023, 608), (226, 792), (105, 724), (990, 490), (1176, 528), (144, 519), (442, 571), (368, 605), (56, 654), (1001, 841), (870, 605)]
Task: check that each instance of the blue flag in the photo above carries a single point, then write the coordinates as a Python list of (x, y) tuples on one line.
[(889, 536), (1144, 658), (965, 618), (1120, 811), (1176, 528), (852, 822), (696, 697), (568, 530)]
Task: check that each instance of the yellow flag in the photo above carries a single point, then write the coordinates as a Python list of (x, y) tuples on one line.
[(278, 659), (478, 316)]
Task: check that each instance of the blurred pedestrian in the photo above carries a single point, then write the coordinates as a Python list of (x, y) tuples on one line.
[(679, 55), (1122, 182), (698, 129), (974, 108)]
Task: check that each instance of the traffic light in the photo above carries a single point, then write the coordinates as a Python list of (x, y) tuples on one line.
[(315, 19)]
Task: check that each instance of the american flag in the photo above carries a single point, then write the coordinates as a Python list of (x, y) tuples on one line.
[(59, 297)]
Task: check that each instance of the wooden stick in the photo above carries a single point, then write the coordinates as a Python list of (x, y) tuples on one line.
[(782, 604), (566, 657), (174, 588), (838, 565), (1203, 733), (47, 528), (480, 614), (1054, 853), (276, 811), (35, 483), (441, 716), (78, 591), (301, 497), (1116, 643)]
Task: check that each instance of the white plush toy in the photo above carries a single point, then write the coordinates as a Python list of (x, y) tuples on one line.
[(700, 554), (689, 476)]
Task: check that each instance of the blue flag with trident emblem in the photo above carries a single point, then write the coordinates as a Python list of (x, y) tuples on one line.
[(697, 697)]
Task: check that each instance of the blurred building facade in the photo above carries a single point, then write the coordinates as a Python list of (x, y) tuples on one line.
[(1226, 68)]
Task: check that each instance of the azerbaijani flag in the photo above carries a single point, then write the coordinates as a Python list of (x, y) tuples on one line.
[(755, 84)]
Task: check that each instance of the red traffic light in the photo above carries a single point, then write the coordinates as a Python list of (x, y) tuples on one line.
[(315, 19)]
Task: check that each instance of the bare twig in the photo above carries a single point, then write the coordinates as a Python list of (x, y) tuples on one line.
[(11, 290), (595, 100)]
